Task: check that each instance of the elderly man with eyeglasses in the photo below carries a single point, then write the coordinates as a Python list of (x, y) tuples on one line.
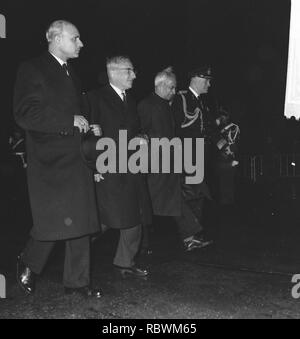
[(123, 198)]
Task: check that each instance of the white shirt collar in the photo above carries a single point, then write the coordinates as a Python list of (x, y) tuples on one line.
[(58, 59), (195, 94), (118, 91)]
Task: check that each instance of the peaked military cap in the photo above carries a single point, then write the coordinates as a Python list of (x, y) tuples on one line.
[(201, 72)]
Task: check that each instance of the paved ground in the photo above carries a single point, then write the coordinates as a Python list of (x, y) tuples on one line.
[(246, 274), (177, 289)]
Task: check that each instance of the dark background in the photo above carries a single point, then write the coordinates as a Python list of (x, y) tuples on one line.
[(245, 41)]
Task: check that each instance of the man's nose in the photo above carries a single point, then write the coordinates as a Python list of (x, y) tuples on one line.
[(80, 43)]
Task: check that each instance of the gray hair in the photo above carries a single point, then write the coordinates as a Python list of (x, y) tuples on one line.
[(164, 76), (56, 28), (116, 60)]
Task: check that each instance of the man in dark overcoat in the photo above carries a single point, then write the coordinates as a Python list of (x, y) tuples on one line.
[(47, 106), (157, 120), (123, 199)]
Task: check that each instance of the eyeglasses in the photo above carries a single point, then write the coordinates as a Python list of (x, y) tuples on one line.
[(171, 88), (128, 69)]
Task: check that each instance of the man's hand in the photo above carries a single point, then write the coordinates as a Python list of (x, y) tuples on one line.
[(98, 177), (81, 123), (96, 129)]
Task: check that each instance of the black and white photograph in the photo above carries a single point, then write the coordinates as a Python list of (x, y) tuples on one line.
[(150, 162)]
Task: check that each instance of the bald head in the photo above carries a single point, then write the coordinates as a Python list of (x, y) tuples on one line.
[(64, 40), (56, 28)]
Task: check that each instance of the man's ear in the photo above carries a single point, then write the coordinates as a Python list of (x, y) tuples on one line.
[(57, 39)]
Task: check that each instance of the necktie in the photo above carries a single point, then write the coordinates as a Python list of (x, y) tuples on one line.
[(124, 97), (65, 67)]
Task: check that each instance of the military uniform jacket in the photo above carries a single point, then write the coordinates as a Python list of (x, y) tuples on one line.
[(193, 120)]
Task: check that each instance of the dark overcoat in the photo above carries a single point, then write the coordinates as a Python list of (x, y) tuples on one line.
[(157, 121), (60, 185), (123, 198)]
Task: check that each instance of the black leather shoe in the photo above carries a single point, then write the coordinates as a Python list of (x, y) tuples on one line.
[(196, 244), (25, 277), (133, 271), (85, 291)]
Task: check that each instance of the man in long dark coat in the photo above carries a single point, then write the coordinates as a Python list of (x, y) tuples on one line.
[(122, 197), (47, 107), (157, 120)]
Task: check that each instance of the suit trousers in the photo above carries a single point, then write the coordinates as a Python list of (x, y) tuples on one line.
[(189, 223), (77, 259), (128, 246)]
